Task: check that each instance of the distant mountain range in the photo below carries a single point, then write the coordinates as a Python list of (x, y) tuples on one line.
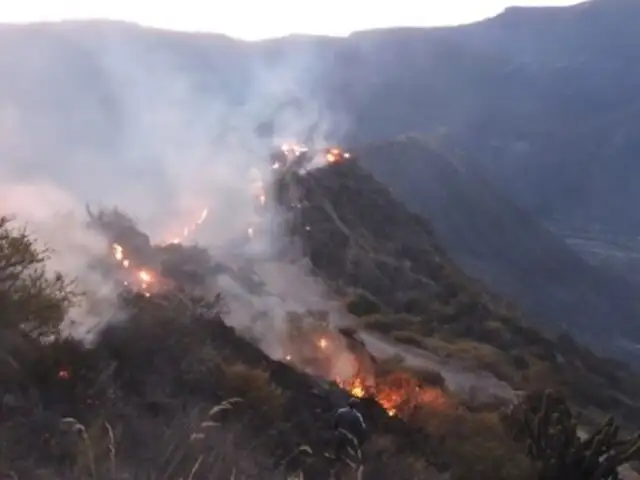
[(504, 245)]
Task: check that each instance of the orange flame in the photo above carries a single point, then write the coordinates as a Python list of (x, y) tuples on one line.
[(399, 392), (334, 155), (187, 231), (145, 277)]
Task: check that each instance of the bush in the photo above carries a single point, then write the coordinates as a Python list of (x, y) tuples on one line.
[(255, 386), (476, 445), (31, 299)]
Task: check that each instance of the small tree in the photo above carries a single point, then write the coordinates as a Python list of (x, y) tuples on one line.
[(31, 299)]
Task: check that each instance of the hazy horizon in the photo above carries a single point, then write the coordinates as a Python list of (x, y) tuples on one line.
[(252, 20)]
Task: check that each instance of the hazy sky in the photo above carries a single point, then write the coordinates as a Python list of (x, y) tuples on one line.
[(255, 19)]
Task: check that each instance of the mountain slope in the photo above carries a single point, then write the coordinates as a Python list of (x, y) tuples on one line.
[(560, 132), (135, 96), (506, 247), (386, 259)]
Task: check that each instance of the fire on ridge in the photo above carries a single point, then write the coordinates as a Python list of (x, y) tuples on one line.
[(296, 157), (316, 347), (313, 349)]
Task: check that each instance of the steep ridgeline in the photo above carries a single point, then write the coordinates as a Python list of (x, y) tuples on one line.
[(386, 261)]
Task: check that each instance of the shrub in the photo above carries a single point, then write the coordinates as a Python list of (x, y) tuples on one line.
[(31, 298), (255, 387), (476, 445)]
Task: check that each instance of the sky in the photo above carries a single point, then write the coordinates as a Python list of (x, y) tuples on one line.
[(259, 19)]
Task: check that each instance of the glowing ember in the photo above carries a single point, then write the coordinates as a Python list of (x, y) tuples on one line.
[(334, 155), (64, 374), (117, 252), (145, 276)]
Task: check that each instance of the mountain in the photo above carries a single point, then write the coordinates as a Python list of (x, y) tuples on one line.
[(388, 261), (536, 115), (174, 364), (541, 98), (571, 159), (505, 246)]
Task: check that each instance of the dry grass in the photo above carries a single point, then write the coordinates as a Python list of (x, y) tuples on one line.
[(92, 453), (476, 445)]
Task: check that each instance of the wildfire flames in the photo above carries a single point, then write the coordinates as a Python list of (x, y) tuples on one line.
[(187, 231), (293, 155), (142, 277), (334, 155), (398, 393)]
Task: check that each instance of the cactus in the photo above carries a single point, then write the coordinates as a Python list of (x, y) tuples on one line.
[(550, 432)]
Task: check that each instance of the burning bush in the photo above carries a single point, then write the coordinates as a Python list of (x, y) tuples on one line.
[(400, 393)]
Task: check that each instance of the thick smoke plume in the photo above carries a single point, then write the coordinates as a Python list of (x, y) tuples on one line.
[(162, 126)]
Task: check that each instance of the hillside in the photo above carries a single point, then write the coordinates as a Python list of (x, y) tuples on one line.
[(540, 116), (505, 246), (402, 283), (169, 354)]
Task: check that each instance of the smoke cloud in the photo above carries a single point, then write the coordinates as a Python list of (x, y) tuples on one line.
[(161, 125)]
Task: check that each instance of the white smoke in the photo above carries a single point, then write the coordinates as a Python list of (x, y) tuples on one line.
[(161, 125)]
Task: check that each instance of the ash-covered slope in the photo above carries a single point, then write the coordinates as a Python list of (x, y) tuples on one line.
[(503, 245)]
